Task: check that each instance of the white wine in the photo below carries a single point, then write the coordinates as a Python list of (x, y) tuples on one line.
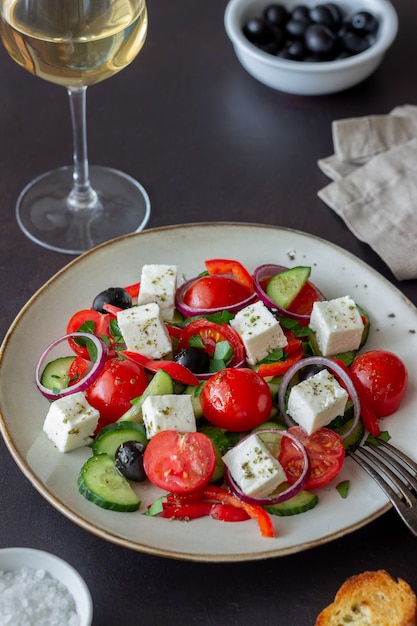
[(73, 43)]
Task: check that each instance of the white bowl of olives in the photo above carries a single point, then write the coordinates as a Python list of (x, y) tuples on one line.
[(310, 47)]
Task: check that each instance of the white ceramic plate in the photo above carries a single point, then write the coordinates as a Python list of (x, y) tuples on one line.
[(119, 262)]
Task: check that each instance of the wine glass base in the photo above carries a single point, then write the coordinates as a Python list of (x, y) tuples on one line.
[(43, 215)]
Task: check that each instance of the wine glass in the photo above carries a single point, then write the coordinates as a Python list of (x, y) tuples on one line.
[(76, 43)]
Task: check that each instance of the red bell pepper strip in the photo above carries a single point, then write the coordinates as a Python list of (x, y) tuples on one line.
[(293, 343), (175, 370), (278, 368), (218, 494), (133, 290), (227, 266), (194, 510), (368, 415)]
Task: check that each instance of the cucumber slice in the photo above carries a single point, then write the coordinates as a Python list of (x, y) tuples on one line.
[(111, 437), (160, 385), (195, 392), (221, 445), (284, 287), (100, 483), (301, 502), (55, 374)]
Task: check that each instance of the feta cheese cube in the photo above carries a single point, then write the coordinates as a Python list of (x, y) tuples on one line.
[(70, 422), (338, 325), (315, 402), (144, 331), (259, 330), (158, 284), (254, 468), (168, 412)]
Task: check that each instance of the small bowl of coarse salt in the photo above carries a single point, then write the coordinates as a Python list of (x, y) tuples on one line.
[(37, 587)]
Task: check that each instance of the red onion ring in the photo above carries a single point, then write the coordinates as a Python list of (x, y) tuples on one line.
[(189, 311), (291, 491), (269, 271), (86, 380), (334, 368)]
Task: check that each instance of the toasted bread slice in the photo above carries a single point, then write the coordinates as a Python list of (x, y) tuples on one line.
[(371, 599)]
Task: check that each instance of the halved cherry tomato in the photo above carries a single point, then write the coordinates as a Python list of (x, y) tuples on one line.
[(179, 462), (236, 399), (228, 266), (325, 451), (212, 292), (303, 302), (211, 333), (177, 371), (76, 370), (89, 320), (382, 378), (118, 383)]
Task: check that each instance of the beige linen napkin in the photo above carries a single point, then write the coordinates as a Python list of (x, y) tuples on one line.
[(374, 170)]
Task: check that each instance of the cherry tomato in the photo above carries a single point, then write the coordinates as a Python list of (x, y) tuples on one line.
[(303, 302), (382, 378), (236, 399), (325, 450), (210, 292), (117, 384), (89, 320), (179, 462), (211, 333), (76, 371)]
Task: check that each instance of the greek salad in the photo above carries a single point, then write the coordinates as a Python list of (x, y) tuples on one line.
[(236, 394)]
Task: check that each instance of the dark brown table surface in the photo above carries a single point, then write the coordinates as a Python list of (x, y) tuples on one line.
[(209, 143)]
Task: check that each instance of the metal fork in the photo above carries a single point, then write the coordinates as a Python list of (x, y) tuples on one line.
[(395, 473)]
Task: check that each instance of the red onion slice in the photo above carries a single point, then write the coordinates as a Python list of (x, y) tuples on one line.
[(82, 384), (335, 369), (263, 272), (288, 493), (189, 311)]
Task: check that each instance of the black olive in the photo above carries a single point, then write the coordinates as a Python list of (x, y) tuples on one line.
[(297, 28), (276, 14), (323, 15), (129, 460), (355, 43), (364, 22), (309, 371), (258, 31), (296, 50), (116, 296), (320, 39), (301, 13), (335, 11), (194, 358), (319, 33)]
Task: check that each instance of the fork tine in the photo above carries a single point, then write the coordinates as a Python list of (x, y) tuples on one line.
[(393, 457), (398, 483)]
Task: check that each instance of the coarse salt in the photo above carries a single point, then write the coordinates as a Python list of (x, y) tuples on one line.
[(31, 597)]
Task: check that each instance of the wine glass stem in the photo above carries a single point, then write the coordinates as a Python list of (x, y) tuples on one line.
[(82, 195)]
